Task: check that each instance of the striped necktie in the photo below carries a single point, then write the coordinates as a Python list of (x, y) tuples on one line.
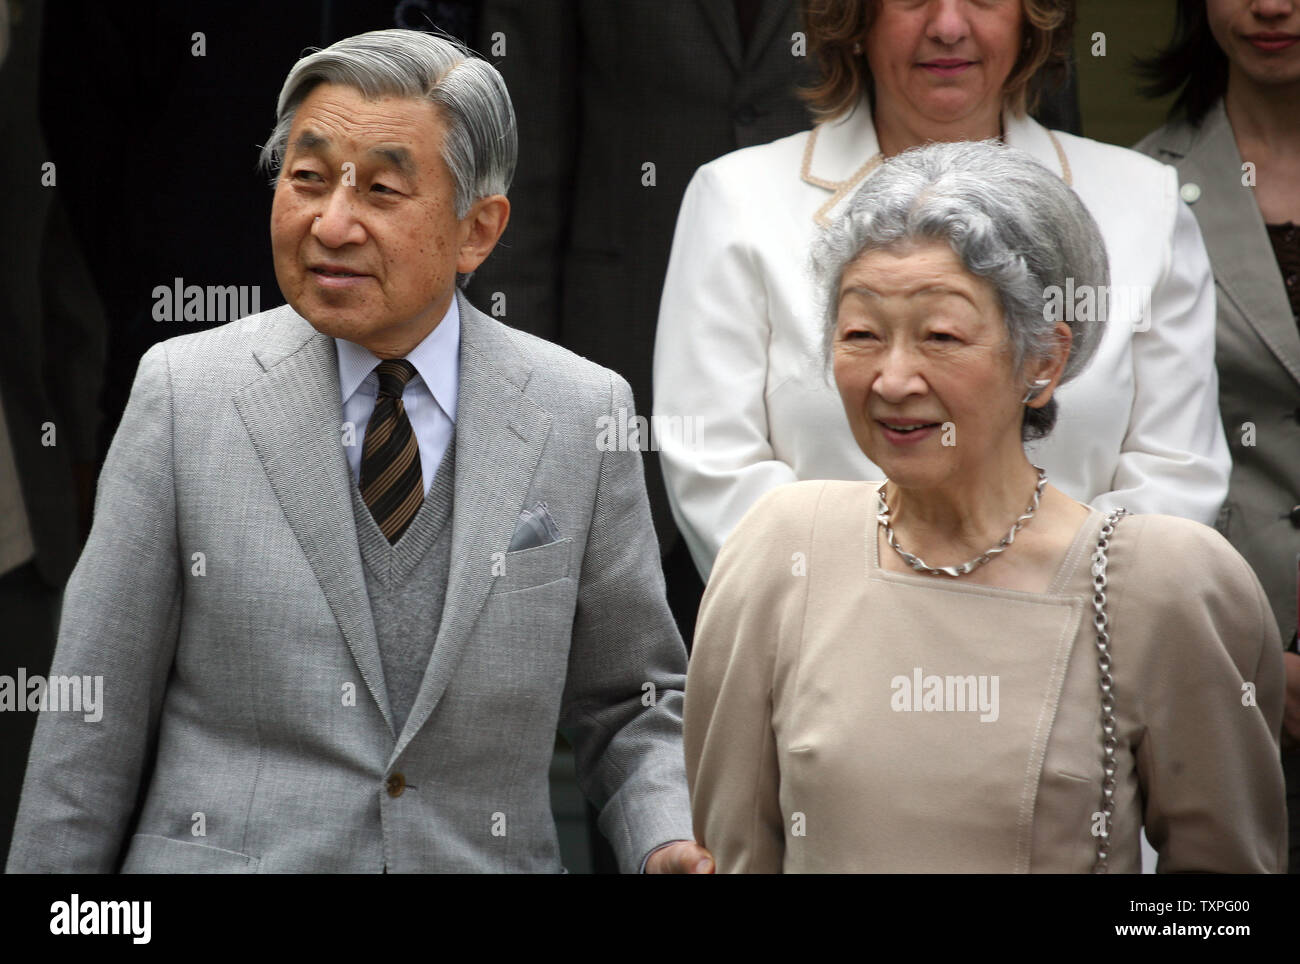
[(392, 483)]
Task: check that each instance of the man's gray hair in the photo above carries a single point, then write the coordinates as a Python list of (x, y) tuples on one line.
[(481, 142), (1008, 219)]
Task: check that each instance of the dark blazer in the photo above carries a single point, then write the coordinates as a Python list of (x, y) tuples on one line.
[(1258, 354), (52, 367), (602, 89)]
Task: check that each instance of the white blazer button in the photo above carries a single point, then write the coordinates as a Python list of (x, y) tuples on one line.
[(1191, 192)]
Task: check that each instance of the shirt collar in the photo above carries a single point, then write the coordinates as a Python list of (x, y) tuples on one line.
[(436, 360)]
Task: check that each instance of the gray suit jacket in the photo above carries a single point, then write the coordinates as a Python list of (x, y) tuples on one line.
[(243, 689), (1257, 352)]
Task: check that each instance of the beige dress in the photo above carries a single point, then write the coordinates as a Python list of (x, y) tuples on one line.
[(840, 717)]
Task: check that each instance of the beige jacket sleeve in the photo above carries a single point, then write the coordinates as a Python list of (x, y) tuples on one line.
[(1208, 696), (753, 605)]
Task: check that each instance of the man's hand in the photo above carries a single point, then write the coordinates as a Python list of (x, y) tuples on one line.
[(682, 857), (1291, 709)]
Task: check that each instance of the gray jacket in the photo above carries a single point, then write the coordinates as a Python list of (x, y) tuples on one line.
[(1257, 353), (246, 724)]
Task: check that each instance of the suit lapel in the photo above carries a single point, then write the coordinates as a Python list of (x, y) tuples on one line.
[(721, 15), (1246, 267), (500, 433), (293, 414), (838, 157), (771, 13)]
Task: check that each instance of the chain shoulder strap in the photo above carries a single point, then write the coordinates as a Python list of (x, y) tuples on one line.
[(1110, 741)]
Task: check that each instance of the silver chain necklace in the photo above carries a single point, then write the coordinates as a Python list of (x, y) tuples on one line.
[(882, 517)]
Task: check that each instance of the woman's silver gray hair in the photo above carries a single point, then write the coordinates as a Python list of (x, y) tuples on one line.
[(481, 142), (1008, 219)]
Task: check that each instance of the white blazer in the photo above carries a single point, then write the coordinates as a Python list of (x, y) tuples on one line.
[(738, 349)]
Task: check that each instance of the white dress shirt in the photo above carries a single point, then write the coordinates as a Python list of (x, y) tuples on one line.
[(429, 397), (738, 347)]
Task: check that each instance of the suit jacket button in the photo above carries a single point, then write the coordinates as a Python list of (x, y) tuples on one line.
[(396, 784), (1191, 193), (1294, 516)]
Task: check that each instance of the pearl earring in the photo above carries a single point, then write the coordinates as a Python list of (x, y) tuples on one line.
[(1038, 386)]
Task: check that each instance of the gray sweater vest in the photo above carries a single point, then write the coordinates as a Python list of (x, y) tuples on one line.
[(407, 584)]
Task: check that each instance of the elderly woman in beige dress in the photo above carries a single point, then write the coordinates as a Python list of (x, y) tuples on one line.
[(921, 674)]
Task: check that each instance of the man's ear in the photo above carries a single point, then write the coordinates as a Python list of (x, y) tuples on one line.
[(480, 229), (1051, 367)]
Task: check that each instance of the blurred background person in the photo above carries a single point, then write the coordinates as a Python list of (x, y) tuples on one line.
[(904, 676), (50, 375), (618, 104), (1234, 136), (736, 342)]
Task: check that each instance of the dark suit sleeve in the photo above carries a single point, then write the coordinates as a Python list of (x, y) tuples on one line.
[(622, 707), (540, 69), (121, 613), (77, 332)]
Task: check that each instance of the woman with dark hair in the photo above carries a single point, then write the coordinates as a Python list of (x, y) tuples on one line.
[(736, 346), (1234, 136)]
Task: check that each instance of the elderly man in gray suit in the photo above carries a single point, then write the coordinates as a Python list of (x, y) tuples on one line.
[(355, 558)]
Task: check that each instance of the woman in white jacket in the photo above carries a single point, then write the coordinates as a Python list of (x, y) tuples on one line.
[(737, 354)]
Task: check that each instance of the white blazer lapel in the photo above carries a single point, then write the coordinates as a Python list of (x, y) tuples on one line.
[(839, 154)]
